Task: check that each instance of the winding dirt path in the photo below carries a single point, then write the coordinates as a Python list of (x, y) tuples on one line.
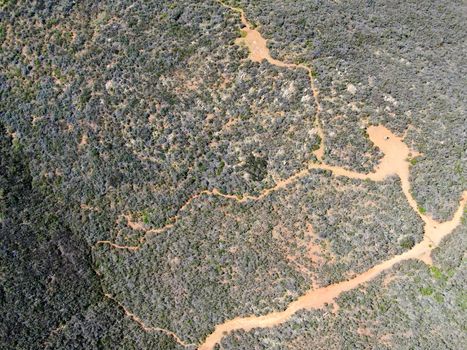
[(317, 298), (258, 48), (394, 162), (136, 319)]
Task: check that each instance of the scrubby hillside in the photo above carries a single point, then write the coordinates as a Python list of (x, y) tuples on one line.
[(158, 180)]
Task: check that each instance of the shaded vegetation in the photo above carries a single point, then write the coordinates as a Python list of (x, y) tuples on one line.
[(116, 114)]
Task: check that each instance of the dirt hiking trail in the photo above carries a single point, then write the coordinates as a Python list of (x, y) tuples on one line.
[(394, 162)]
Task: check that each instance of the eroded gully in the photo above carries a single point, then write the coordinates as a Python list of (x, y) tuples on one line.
[(394, 162)]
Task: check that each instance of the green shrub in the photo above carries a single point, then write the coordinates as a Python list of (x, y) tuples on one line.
[(407, 242), (426, 291)]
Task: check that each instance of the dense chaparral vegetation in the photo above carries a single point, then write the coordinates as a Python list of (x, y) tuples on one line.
[(139, 146)]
